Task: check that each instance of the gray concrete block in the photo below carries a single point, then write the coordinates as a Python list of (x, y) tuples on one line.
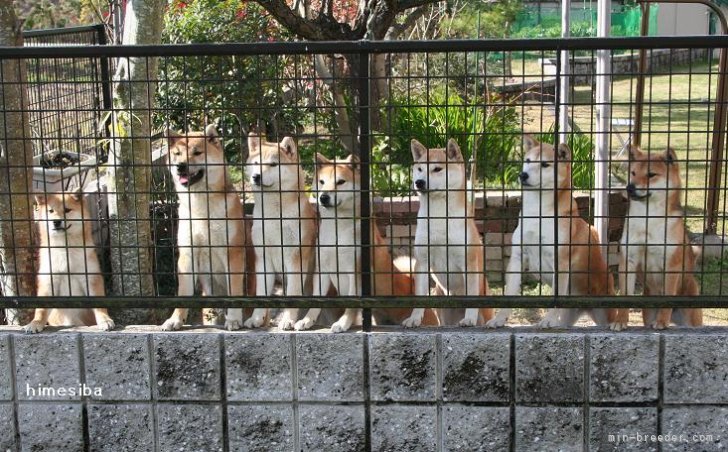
[(549, 368), (476, 428), (6, 382), (696, 368), (695, 428), (332, 427), (258, 367), (260, 428), (401, 428), (47, 367), (118, 364), (120, 428), (330, 367), (44, 427), (187, 366), (189, 427), (7, 427), (624, 367), (475, 367), (616, 429), (402, 367), (549, 428)]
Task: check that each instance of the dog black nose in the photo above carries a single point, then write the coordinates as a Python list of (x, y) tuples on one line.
[(256, 179), (523, 176), (325, 199), (182, 168), (420, 184), (631, 188), (57, 224)]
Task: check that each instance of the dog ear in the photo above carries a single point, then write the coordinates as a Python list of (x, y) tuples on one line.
[(353, 161), (37, 201), (564, 152), (211, 133), (253, 142), (670, 156), (77, 194), (633, 151), (529, 142), (173, 137), (418, 149), (321, 160), (453, 150), (289, 146)]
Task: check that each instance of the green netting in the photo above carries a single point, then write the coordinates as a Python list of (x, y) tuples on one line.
[(546, 22)]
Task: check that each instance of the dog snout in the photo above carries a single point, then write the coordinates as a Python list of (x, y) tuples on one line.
[(631, 189), (182, 168), (57, 224), (420, 184), (256, 179), (325, 199), (523, 176)]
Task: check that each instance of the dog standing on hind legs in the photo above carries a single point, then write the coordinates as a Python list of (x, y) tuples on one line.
[(581, 269), (69, 265), (211, 234), (447, 242), (655, 245), (284, 224)]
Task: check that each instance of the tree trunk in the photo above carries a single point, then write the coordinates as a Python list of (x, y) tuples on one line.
[(129, 172), (17, 259)]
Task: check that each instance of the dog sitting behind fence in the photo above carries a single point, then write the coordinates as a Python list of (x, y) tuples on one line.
[(211, 235), (68, 262)]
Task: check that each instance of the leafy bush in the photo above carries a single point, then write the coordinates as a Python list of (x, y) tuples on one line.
[(491, 130), (234, 91), (582, 156)]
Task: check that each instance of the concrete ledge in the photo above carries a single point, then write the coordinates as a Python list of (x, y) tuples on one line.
[(389, 390)]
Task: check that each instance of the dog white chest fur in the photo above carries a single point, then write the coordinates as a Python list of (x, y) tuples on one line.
[(339, 254), (536, 236)]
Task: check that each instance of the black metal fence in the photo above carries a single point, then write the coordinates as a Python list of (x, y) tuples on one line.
[(174, 222)]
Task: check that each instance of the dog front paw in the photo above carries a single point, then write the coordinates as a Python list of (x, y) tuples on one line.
[(232, 324), (34, 327), (467, 322), (303, 324), (254, 322), (496, 322), (549, 322), (286, 324), (339, 327), (657, 325), (172, 325), (618, 326), (412, 322), (106, 324)]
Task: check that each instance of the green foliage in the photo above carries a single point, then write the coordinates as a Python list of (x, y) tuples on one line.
[(234, 91), (491, 131), (582, 156)]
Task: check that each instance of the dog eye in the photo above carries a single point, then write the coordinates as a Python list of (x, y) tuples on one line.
[(651, 175), (68, 210), (419, 169), (321, 182), (437, 169), (196, 152), (340, 182), (634, 173), (51, 211), (528, 160), (545, 165), (273, 164)]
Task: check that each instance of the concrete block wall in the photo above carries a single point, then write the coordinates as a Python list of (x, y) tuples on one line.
[(425, 390)]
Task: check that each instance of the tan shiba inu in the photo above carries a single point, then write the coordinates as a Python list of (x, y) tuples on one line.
[(284, 224), (338, 262), (582, 269), (211, 234), (68, 262), (447, 242), (655, 245)]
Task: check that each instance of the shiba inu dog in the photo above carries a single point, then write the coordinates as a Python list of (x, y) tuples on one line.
[(447, 242), (338, 262), (211, 234), (284, 224), (581, 268), (655, 245), (69, 265)]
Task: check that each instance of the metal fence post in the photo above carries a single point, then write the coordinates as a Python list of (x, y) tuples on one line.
[(365, 149)]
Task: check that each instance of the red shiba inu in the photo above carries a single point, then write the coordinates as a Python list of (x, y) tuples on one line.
[(69, 265), (655, 245)]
